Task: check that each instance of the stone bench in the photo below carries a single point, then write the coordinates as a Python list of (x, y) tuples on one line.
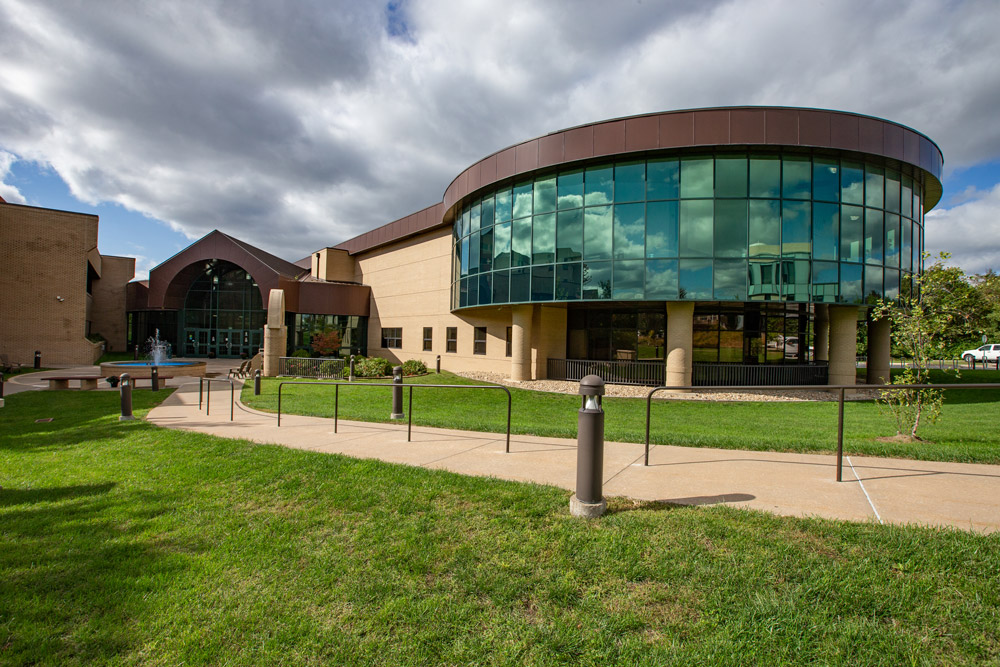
[(62, 382)]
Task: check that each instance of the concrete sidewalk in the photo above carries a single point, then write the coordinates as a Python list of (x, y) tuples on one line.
[(965, 496)]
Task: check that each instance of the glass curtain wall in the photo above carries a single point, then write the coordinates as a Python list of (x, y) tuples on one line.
[(353, 330), (223, 313)]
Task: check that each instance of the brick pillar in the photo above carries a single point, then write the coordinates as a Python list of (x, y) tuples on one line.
[(878, 351), (520, 361), (843, 344), (680, 322), (821, 329), (275, 333)]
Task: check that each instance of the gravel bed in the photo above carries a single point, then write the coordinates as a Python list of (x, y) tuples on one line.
[(635, 391)]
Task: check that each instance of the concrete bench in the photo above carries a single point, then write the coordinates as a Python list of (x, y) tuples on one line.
[(86, 381)]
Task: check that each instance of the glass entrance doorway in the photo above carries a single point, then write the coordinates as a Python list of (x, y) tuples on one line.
[(224, 314)]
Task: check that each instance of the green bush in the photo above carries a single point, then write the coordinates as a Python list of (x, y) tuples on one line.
[(414, 367), (373, 367), (301, 353)]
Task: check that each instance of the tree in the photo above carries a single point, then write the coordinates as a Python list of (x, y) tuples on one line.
[(326, 343)]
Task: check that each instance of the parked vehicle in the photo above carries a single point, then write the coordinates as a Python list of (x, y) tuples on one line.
[(986, 352)]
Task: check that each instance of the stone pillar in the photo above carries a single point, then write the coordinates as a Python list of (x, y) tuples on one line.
[(275, 332), (821, 329), (520, 360), (878, 351), (843, 344), (680, 322)]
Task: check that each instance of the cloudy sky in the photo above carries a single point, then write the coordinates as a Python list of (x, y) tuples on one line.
[(299, 124)]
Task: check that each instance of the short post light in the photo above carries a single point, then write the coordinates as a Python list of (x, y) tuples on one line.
[(1, 389), (350, 373), (154, 378), (135, 353), (125, 383), (397, 393), (256, 382), (38, 359), (588, 501), (438, 365)]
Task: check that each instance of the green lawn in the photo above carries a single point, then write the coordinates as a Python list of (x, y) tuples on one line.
[(969, 428), (123, 543)]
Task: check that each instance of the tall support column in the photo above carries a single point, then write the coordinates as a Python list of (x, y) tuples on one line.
[(878, 351), (843, 344), (821, 329), (275, 333), (520, 361), (680, 323)]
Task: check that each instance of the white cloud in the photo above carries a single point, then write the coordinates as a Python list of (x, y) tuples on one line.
[(970, 231), (9, 193), (313, 120)]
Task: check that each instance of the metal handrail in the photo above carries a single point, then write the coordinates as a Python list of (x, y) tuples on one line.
[(208, 400), (840, 388), (409, 413)]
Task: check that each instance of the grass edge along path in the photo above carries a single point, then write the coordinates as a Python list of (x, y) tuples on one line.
[(967, 432), (125, 543)]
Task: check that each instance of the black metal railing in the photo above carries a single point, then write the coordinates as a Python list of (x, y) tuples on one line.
[(308, 367), (410, 387), (705, 375), (841, 389), (649, 373), (208, 401)]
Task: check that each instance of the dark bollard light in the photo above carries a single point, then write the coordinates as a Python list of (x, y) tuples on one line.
[(38, 359), (1, 390), (256, 382), (397, 393), (588, 501), (438, 366), (125, 383), (154, 378), (350, 374), (135, 354)]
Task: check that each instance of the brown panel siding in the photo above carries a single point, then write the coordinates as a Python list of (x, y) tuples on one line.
[(609, 138)]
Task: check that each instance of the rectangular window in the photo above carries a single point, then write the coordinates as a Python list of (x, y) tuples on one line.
[(392, 338), (479, 341), (510, 341), (428, 338), (451, 339)]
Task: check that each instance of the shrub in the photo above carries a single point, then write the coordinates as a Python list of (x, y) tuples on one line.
[(414, 367), (326, 343), (372, 368), (301, 353)]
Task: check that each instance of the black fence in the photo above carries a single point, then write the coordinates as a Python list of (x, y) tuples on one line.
[(653, 372), (207, 382)]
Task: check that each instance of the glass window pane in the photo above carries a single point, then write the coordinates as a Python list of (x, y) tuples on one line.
[(892, 240), (764, 280), (485, 289), (906, 247), (522, 199), (597, 228), (543, 249), (568, 281), (662, 179), (731, 228), (892, 191), (475, 213), (731, 176), (501, 246), (661, 279), (570, 186), (874, 186), (874, 233), (795, 279), (852, 225), (542, 282), (825, 282), (796, 177), (765, 176), (545, 194), (503, 207), (826, 179), (661, 229), (465, 256), (630, 181), (486, 250), (730, 280), (765, 227), (630, 231), (697, 227), (873, 283), (600, 186), (463, 299), (891, 289), (696, 177), (487, 215), (569, 235), (795, 229), (906, 197), (465, 222), (826, 231), (629, 280), (597, 280), (520, 285), (473, 289), (852, 184), (695, 279), (520, 251), (850, 283), (501, 286)]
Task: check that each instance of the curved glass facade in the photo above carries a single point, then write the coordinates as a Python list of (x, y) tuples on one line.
[(727, 227)]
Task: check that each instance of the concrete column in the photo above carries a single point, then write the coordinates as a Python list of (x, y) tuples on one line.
[(680, 322), (520, 360), (275, 332), (821, 329), (878, 351), (843, 344)]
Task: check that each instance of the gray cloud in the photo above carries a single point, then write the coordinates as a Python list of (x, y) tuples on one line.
[(299, 125)]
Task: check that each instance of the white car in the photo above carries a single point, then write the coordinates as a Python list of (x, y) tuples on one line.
[(987, 352)]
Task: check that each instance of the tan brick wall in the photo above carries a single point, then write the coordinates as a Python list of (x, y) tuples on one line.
[(108, 313), (43, 284), (411, 289)]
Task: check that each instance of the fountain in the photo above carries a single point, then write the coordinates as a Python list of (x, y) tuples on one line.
[(158, 354)]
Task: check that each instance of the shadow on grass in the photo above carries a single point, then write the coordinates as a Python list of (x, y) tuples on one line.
[(9, 497)]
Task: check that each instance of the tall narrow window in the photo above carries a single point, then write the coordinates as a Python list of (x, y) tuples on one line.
[(510, 341), (451, 339), (428, 338), (479, 341)]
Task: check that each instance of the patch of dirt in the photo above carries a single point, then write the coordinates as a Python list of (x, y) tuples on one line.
[(899, 438)]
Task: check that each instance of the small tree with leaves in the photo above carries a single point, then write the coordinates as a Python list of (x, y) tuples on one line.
[(923, 319), (326, 343)]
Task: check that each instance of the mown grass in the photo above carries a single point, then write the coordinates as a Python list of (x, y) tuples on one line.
[(123, 543), (968, 430)]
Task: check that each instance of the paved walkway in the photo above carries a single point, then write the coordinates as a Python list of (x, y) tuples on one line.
[(965, 496)]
